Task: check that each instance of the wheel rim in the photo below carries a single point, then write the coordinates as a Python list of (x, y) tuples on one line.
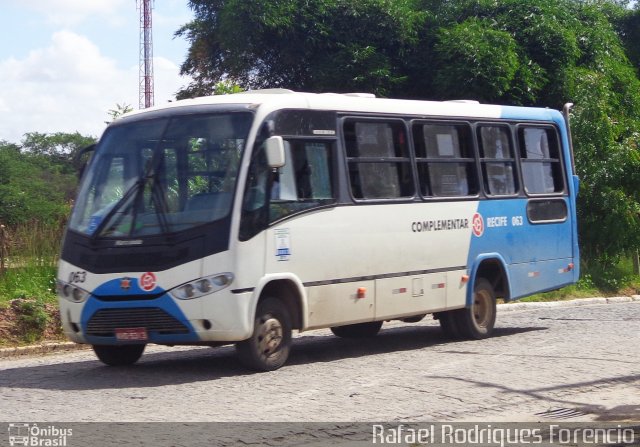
[(269, 336), (482, 309)]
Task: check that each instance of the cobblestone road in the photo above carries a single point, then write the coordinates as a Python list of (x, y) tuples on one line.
[(577, 363)]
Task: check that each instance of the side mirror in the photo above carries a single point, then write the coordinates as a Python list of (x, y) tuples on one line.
[(274, 148), (77, 159)]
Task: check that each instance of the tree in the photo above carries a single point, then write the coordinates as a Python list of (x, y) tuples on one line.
[(59, 148), (226, 87), (474, 60), (628, 25), (314, 45), (120, 110), (37, 178), (26, 190)]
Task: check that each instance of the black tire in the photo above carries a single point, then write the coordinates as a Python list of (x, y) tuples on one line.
[(414, 319), (118, 355), (268, 347), (449, 325), (360, 330), (477, 321)]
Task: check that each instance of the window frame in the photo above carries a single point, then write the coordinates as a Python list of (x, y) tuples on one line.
[(409, 160), (514, 159), (533, 203), (333, 173), (417, 124), (519, 129), (255, 220)]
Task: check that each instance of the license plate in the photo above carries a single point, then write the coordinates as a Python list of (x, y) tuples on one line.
[(131, 334)]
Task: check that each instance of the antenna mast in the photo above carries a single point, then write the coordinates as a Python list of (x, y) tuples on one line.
[(146, 54)]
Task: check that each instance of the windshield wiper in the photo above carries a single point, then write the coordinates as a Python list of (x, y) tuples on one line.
[(161, 206), (137, 186), (158, 200), (137, 189)]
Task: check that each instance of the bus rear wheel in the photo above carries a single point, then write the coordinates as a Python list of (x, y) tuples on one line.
[(360, 330), (477, 321), (118, 355), (268, 347)]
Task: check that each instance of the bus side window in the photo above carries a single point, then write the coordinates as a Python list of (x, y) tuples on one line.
[(305, 181), (446, 164), (378, 159), (540, 157), (498, 162)]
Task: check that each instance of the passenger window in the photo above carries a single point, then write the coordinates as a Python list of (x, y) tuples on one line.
[(305, 181), (378, 159), (497, 159), (540, 157), (445, 160)]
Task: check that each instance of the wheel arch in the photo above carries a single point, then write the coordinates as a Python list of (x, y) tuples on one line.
[(289, 289), (493, 268)]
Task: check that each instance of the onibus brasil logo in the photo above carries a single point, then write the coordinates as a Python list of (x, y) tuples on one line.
[(33, 435)]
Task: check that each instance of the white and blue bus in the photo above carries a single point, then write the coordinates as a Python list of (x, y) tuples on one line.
[(244, 217)]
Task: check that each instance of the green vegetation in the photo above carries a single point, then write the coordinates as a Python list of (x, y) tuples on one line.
[(28, 301), (38, 178), (616, 280), (32, 319), (30, 264), (37, 184)]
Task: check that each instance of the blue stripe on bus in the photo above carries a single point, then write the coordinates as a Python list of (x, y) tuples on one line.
[(531, 114), (163, 301)]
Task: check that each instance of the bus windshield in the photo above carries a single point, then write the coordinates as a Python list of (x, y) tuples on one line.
[(161, 175)]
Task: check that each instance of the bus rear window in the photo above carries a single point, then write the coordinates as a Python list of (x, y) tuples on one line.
[(540, 156)]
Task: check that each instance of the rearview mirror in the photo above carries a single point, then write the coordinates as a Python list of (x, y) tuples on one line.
[(79, 164), (274, 148)]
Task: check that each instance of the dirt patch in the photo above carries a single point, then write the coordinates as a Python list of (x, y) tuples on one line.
[(26, 321), (629, 291)]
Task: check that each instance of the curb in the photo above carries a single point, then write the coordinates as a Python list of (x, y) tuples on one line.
[(52, 347), (509, 307)]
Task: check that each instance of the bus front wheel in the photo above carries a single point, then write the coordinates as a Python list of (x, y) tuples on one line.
[(268, 347), (477, 321), (360, 330), (118, 355)]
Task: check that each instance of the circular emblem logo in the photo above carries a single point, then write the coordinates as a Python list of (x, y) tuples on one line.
[(148, 281), (477, 224)]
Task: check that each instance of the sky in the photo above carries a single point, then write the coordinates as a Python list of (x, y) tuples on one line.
[(65, 63)]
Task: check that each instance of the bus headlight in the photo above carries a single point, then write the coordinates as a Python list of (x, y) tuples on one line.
[(202, 286), (71, 293)]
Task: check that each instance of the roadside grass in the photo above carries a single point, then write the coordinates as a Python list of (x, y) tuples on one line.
[(619, 280), (28, 302), (28, 282), (28, 305), (31, 256)]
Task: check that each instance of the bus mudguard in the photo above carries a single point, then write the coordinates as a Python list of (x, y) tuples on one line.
[(475, 267)]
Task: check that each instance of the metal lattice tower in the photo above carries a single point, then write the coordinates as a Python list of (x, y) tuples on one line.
[(146, 54)]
